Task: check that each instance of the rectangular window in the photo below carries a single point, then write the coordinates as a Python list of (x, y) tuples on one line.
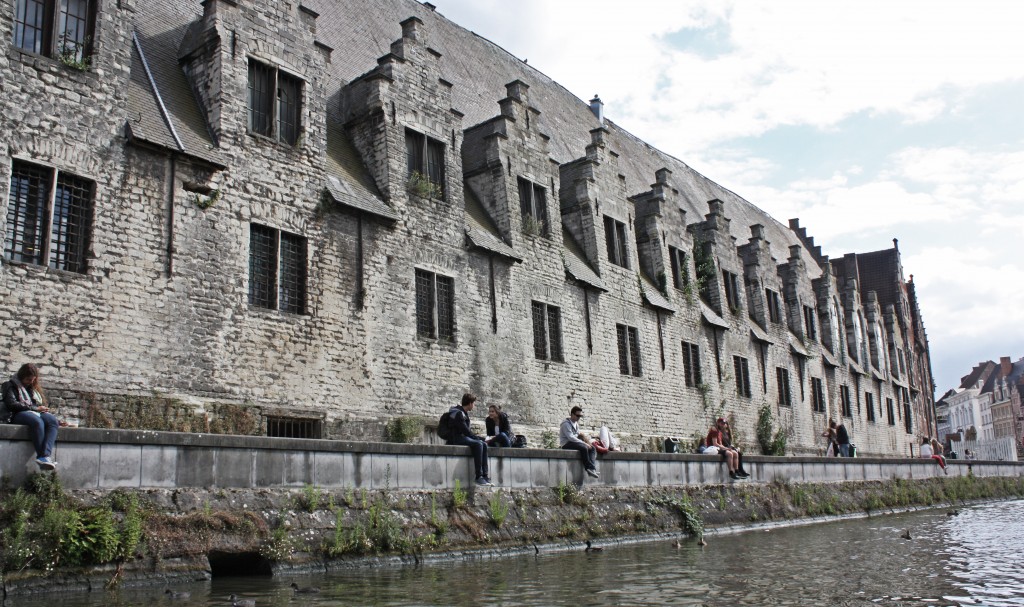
[(293, 427), (277, 270), (425, 158), (732, 290), (629, 350), (691, 364), (782, 379), (435, 306), (890, 411), (62, 29), (615, 238), (680, 272), (547, 332), (742, 369), (49, 217), (275, 103), (533, 205), (844, 401), (817, 395), (809, 327), (869, 402), (774, 306)]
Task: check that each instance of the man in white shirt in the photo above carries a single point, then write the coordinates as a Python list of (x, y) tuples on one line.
[(569, 437)]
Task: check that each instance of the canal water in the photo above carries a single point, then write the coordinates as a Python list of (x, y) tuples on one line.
[(970, 556)]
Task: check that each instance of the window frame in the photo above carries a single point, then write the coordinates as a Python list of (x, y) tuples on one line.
[(732, 294), (628, 339), (547, 332), (440, 320), (533, 203), (680, 271), (845, 406), (890, 411), (50, 41), (869, 403), (774, 305), (691, 365), (818, 401), (266, 105), (741, 368), (810, 329), (286, 287), (64, 205), (616, 238), (428, 157), (782, 382)]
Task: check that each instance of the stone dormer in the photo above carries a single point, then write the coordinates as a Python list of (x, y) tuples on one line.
[(662, 241), (760, 276), (718, 266), (797, 292)]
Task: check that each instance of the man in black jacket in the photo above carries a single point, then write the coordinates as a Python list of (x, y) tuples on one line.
[(462, 434)]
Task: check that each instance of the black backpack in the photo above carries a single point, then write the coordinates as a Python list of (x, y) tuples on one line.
[(444, 429)]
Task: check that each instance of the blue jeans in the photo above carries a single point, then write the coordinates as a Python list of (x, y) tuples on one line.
[(502, 439), (587, 453), (479, 449), (42, 427), (844, 450)]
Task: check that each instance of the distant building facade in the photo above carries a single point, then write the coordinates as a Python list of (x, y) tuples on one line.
[(323, 215)]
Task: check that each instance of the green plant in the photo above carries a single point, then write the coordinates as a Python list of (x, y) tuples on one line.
[(765, 427), (310, 498), (421, 185), (440, 525), (459, 496), (72, 53), (549, 439), (533, 226), (405, 429), (279, 546), (569, 493), (704, 390), (704, 264), (498, 510), (205, 201)]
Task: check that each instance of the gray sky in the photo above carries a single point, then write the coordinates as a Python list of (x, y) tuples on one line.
[(868, 120)]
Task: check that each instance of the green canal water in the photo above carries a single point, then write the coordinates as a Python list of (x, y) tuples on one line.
[(971, 558)]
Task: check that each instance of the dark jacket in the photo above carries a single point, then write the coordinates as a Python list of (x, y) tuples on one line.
[(503, 424), (842, 436), (459, 423), (12, 403)]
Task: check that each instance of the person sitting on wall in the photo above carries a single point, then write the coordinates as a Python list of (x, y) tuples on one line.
[(928, 452), (726, 431), (731, 457), (843, 440), (24, 404), (462, 434), (704, 449), (570, 437), (499, 429)]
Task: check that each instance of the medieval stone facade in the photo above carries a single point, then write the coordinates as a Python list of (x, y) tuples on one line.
[(330, 214)]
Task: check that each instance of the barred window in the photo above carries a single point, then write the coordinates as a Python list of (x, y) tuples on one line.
[(810, 329), (691, 364), (732, 290), (869, 402), (629, 350), (277, 270), (742, 369), (425, 157), (294, 427), (547, 332), (435, 306), (615, 239), (275, 103), (844, 401), (890, 411), (533, 204), (60, 29), (782, 379), (774, 306), (817, 395), (680, 272), (49, 217)]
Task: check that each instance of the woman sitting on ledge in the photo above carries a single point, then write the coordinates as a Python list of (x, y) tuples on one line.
[(23, 404), (928, 452)]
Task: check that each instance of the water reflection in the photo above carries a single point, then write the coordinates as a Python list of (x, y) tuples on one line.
[(967, 559)]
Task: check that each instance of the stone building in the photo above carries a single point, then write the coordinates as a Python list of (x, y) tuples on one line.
[(320, 215)]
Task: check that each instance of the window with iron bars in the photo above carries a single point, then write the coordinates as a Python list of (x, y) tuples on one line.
[(425, 156), (294, 427), (741, 367), (277, 270), (533, 205), (782, 379), (49, 217), (61, 29), (845, 405), (547, 332), (435, 306), (615, 239), (691, 364), (629, 350), (680, 272), (817, 395), (275, 103), (774, 306)]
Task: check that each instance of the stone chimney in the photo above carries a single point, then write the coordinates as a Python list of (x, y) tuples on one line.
[(597, 106), (1005, 366)]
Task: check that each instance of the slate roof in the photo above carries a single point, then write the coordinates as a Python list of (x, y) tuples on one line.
[(576, 265), (481, 231), (711, 317), (653, 296)]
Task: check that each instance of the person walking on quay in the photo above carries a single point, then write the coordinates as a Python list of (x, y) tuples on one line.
[(830, 435), (499, 429), (462, 434), (570, 437), (843, 440), (726, 432), (24, 404)]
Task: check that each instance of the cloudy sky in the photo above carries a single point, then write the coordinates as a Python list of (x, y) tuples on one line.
[(868, 120)]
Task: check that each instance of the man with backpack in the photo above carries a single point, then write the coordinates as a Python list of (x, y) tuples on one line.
[(454, 428)]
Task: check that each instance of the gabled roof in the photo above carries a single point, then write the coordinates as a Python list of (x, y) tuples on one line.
[(348, 181), (576, 265), (481, 231)]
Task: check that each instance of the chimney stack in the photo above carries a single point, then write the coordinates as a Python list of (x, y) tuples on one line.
[(597, 106)]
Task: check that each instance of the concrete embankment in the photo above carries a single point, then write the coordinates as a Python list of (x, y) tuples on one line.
[(161, 534)]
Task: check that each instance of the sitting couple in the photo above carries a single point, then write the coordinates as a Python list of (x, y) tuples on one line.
[(719, 441)]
